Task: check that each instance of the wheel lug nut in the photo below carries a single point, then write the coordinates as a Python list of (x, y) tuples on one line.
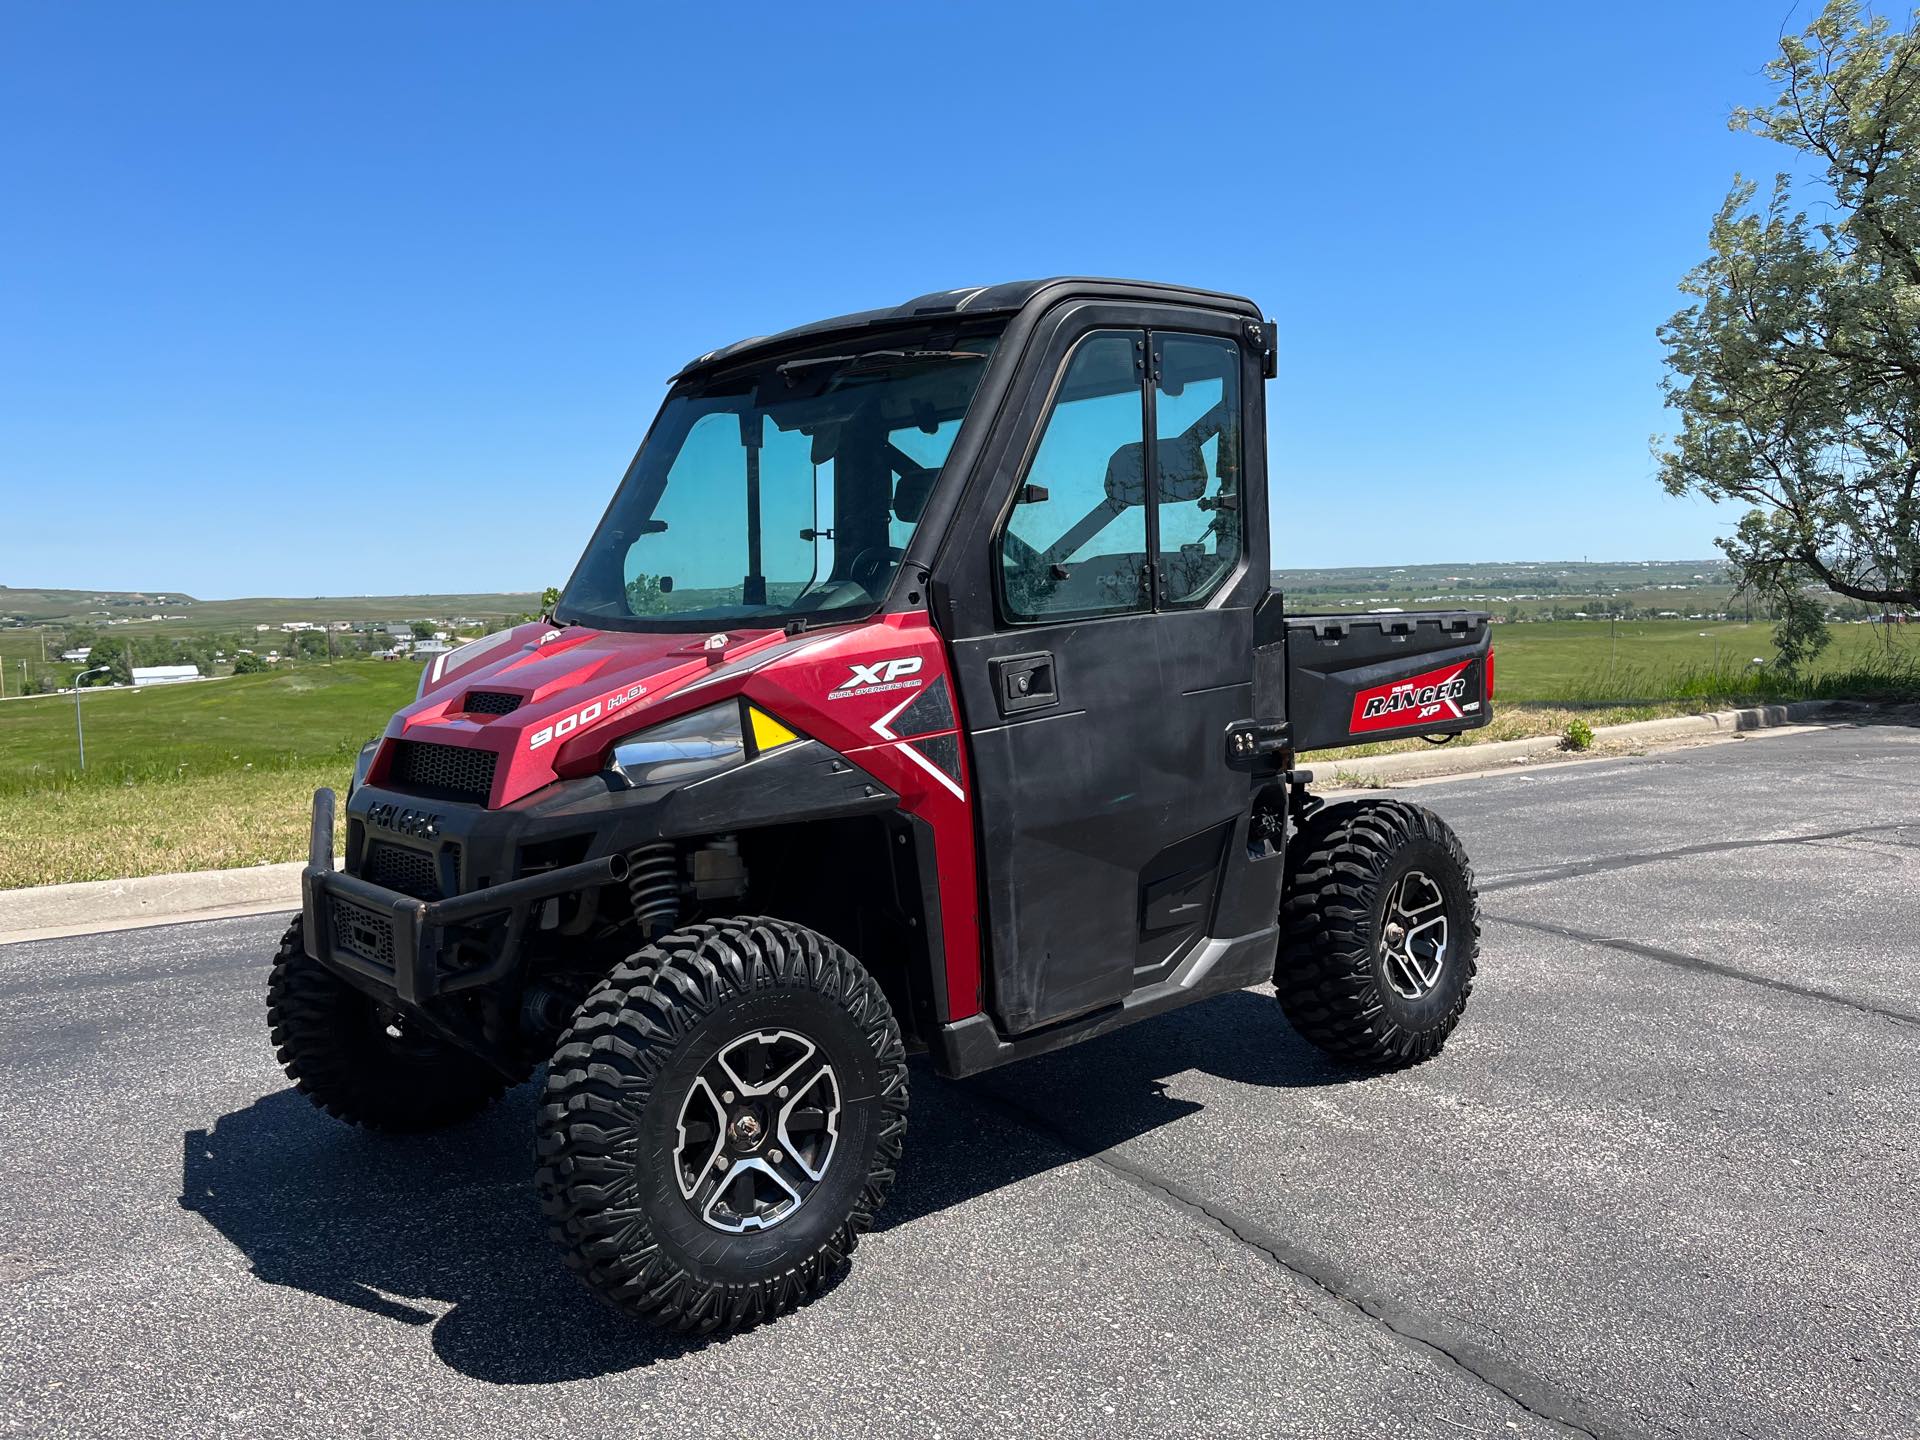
[(727, 1098), (775, 1156), (783, 1092)]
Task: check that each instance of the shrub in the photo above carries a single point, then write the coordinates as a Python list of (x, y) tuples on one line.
[(1577, 736)]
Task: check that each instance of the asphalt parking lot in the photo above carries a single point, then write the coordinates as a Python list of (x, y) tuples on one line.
[(1663, 1182)]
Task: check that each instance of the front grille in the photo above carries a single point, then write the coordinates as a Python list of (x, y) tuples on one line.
[(411, 872), (453, 770), (361, 931), (489, 702)]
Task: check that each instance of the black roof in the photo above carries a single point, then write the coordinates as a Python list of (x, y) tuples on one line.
[(977, 300)]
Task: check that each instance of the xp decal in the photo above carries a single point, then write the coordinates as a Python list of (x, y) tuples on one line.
[(881, 675), (1433, 695)]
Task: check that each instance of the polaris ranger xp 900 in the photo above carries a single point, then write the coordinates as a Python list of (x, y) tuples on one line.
[(922, 689)]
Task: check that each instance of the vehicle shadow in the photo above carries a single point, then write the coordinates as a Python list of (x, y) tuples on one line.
[(970, 1137), (443, 1231)]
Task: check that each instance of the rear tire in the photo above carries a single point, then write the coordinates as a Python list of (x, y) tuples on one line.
[(721, 1122), (1381, 933), (334, 1043)]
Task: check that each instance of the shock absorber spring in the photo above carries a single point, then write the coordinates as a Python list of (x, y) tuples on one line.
[(653, 885)]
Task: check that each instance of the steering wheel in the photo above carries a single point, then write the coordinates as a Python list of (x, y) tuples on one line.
[(871, 567)]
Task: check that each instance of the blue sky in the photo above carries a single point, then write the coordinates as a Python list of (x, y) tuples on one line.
[(344, 299)]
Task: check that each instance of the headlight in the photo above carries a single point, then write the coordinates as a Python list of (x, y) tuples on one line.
[(363, 764), (690, 748)]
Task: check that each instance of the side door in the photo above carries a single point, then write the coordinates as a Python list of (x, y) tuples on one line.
[(1098, 689)]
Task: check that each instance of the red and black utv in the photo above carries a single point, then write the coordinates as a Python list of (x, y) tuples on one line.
[(922, 689)]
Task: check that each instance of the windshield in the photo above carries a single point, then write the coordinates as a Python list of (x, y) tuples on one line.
[(784, 491)]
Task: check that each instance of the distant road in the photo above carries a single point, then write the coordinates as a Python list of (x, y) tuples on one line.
[(115, 689)]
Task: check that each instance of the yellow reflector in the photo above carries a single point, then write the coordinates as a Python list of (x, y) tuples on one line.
[(768, 733)]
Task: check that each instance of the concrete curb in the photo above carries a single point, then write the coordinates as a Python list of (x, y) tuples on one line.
[(46, 911), (1469, 759)]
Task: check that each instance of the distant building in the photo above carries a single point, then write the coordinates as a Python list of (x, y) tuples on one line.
[(77, 657), (431, 647), (164, 674)]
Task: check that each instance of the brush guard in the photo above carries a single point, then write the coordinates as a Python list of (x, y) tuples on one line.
[(396, 945)]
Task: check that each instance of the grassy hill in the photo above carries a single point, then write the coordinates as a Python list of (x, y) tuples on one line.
[(181, 613), (1517, 588)]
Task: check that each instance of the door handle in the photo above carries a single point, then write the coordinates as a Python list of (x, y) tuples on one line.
[(1024, 682)]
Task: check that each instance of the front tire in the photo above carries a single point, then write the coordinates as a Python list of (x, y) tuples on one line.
[(361, 1063), (721, 1122), (1381, 927)]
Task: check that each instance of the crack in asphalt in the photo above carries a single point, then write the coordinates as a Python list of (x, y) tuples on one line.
[(1538, 1398), (1682, 961), (1574, 869)]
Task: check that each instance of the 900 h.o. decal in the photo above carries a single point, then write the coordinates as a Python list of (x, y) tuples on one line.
[(586, 715), (1435, 695)]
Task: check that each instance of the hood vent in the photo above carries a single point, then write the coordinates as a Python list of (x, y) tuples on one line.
[(489, 702)]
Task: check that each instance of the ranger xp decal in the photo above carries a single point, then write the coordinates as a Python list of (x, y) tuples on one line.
[(1433, 696)]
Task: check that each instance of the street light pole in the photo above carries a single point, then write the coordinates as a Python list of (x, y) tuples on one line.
[(79, 730)]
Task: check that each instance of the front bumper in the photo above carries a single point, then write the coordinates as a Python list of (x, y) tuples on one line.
[(397, 946)]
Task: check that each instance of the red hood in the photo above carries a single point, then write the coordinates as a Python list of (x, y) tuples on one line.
[(568, 682)]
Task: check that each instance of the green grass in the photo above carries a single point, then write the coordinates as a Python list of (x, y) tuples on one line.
[(183, 777), (1577, 662), (162, 827), (276, 721)]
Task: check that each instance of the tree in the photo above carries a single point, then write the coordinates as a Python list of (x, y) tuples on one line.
[(646, 596), (1796, 372), (248, 664), (116, 655), (422, 629)]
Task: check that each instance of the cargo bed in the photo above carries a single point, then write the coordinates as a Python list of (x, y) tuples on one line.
[(1352, 679)]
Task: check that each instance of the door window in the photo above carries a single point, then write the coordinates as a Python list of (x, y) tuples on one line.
[(1076, 541), (1197, 452)]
